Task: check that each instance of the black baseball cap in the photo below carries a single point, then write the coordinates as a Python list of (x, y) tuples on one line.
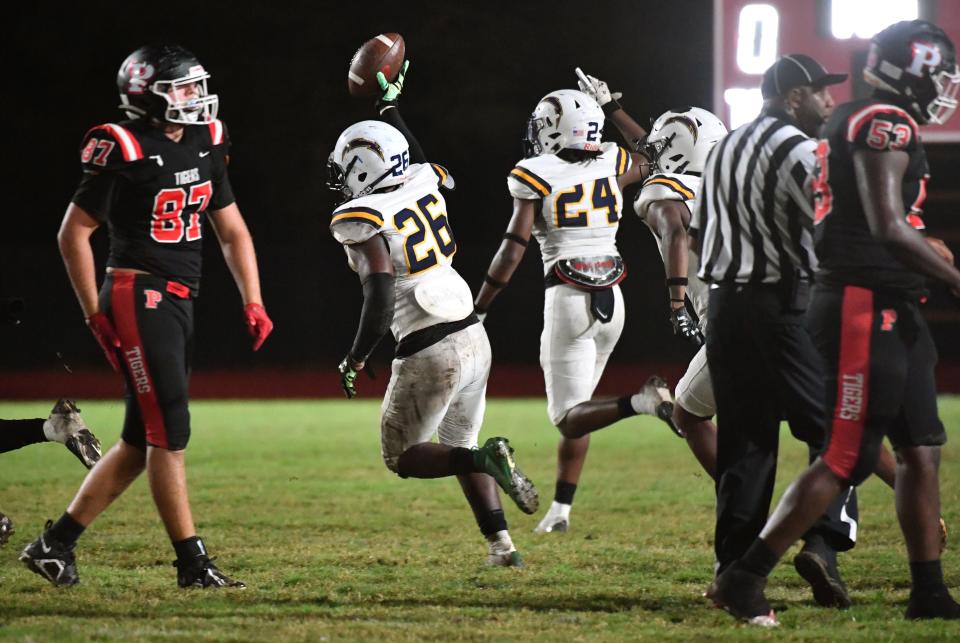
[(796, 70)]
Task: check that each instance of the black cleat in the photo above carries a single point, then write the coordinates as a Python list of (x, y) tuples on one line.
[(51, 559), (201, 572), (937, 604), (6, 529), (828, 588), (741, 594)]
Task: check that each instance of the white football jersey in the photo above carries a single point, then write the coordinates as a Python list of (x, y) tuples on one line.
[(676, 187), (413, 221), (581, 202)]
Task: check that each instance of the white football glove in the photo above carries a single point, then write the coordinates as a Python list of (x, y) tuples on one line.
[(596, 88)]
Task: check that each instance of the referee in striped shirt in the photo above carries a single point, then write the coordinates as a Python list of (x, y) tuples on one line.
[(755, 224)]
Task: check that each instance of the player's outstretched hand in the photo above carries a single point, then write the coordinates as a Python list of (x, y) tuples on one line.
[(106, 336), (684, 327), (596, 88), (348, 376), (391, 91), (259, 324)]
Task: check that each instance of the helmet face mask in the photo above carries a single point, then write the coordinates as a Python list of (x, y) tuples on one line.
[(564, 119), (368, 156), (166, 84), (916, 59)]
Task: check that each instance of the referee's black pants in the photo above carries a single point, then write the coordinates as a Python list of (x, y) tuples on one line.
[(764, 368)]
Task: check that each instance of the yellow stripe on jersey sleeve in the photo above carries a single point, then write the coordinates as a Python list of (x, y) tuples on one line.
[(622, 158), (359, 216), (673, 184), (528, 179), (441, 173)]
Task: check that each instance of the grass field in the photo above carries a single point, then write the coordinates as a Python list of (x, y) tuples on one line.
[(293, 498)]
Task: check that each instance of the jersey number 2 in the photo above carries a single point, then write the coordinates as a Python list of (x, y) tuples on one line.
[(420, 250), (167, 225)]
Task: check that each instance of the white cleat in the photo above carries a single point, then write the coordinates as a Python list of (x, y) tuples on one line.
[(556, 520), (67, 427), (502, 552)]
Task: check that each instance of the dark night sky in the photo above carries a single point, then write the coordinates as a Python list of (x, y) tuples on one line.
[(477, 71)]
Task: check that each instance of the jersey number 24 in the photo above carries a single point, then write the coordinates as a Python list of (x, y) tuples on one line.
[(573, 205)]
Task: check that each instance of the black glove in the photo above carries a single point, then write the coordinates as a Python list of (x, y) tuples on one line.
[(348, 377), (684, 327)]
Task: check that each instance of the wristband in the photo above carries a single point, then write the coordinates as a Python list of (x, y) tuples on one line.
[(516, 238), (676, 281), (611, 107), (494, 283)]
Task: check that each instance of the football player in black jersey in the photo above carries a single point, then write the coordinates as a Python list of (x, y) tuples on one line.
[(152, 179), (865, 316)]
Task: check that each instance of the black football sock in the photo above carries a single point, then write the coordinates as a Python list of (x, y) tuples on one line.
[(564, 492), (462, 461), (625, 406), (66, 531), (19, 433), (927, 576), (189, 548), (759, 559), (491, 522)]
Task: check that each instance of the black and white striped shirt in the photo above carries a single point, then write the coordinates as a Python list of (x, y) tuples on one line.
[(755, 212)]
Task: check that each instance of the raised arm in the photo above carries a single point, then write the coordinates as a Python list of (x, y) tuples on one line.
[(508, 257), (387, 106)]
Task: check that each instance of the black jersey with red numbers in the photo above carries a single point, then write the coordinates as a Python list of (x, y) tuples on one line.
[(154, 193), (847, 251)]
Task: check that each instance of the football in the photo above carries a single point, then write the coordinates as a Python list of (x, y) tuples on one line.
[(382, 53)]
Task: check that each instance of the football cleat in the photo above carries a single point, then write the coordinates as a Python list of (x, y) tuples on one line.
[(740, 593), (51, 559), (495, 458), (502, 553), (656, 394), (556, 520), (201, 572), (67, 427), (932, 605), (6, 529), (829, 589)]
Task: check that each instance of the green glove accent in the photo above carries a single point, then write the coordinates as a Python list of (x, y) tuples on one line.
[(391, 91), (348, 378)]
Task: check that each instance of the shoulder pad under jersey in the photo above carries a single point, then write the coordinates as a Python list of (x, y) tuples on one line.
[(355, 224), (524, 183), (107, 147), (882, 127)]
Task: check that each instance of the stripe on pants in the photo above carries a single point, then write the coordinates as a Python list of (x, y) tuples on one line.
[(123, 303), (853, 381)]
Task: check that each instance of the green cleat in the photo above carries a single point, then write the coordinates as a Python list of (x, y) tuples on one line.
[(495, 458)]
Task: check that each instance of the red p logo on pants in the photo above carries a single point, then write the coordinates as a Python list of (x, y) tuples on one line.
[(153, 298)]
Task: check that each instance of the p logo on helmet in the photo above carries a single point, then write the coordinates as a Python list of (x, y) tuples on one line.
[(139, 75), (924, 55)]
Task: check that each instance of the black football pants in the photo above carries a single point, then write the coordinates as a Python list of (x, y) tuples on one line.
[(764, 368)]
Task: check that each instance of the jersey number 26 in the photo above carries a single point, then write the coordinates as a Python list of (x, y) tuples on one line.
[(427, 232)]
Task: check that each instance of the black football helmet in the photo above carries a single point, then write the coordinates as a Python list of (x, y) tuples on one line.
[(147, 80), (916, 60)]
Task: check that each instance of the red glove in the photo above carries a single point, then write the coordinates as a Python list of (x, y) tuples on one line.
[(106, 336), (258, 324)]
